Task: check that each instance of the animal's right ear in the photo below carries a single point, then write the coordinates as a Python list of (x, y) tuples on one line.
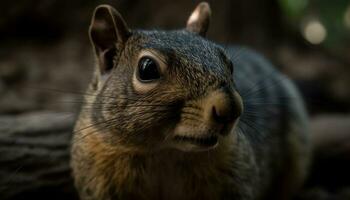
[(108, 34), (199, 20)]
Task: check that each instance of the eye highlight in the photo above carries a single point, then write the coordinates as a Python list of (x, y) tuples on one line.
[(148, 70)]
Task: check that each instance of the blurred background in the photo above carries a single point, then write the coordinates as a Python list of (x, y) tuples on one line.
[(46, 59)]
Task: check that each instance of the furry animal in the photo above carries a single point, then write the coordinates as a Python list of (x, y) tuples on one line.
[(172, 115)]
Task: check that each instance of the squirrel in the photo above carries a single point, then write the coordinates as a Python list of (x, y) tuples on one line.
[(173, 115)]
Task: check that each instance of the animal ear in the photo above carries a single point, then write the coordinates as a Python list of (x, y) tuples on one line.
[(199, 20), (108, 34)]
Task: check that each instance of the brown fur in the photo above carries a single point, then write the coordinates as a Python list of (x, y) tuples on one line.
[(157, 175), (169, 174), (126, 141)]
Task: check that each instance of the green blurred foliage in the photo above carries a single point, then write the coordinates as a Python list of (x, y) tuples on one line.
[(294, 9), (331, 14)]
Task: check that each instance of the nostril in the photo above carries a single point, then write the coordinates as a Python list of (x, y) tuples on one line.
[(221, 116), (223, 107)]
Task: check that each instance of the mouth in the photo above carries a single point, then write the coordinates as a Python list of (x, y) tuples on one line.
[(204, 142)]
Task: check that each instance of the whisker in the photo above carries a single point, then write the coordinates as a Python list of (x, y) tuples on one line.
[(191, 113), (103, 121), (257, 135), (83, 94), (104, 124), (68, 92), (275, 98), (192, 118), (238, 54), (256, 87), (130, 106)]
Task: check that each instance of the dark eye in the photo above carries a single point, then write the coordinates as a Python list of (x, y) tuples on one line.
[(148, 70)]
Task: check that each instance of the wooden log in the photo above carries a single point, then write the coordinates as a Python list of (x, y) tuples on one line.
[(34, 156), (331, 139), (329, 175), (35, 153)]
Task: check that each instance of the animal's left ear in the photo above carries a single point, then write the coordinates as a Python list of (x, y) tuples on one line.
[(108, 34), (199, 20)]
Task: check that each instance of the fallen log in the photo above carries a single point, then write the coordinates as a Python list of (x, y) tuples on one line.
[(34, 157), (35, 153)]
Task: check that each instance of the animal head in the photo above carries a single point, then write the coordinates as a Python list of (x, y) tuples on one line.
[(161, 89)]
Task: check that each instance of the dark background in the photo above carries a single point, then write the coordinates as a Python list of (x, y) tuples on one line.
[(46, 59)]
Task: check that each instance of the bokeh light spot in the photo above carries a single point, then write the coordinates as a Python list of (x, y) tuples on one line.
[(314, 32)]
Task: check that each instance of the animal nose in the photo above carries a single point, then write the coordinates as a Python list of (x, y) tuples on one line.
[(225, 107), (223, 114)]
